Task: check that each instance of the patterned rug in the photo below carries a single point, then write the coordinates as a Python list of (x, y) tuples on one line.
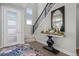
[(21, 50)]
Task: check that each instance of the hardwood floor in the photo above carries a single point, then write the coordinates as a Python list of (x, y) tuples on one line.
[(39, 46), (77, 50)]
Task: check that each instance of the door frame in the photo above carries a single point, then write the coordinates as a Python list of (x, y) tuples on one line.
[(19, 37)]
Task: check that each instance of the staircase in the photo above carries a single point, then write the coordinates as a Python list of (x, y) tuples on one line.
[(43, 15), (39, 20)]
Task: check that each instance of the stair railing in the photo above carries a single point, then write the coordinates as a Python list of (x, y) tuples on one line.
[(42, 15)]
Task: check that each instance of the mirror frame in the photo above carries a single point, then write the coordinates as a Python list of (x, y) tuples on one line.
[(62, 9)]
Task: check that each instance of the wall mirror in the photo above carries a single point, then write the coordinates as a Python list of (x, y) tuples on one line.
[(58, 20)]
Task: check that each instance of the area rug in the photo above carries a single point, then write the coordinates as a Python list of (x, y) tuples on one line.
[(21, 50)]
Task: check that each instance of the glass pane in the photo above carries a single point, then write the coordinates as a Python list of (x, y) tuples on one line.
[(10, 22), (11, 31), (11, 14), (29, 11), (11, 18), (12, 39), (29, 22)]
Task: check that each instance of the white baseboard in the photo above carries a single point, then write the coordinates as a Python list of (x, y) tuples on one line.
[(65, 51), (60, 49), (1, 47), (12, 44)]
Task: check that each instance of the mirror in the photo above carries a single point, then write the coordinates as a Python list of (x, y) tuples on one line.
[(57, 20)]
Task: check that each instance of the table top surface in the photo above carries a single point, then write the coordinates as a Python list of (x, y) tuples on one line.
[(53, 35)]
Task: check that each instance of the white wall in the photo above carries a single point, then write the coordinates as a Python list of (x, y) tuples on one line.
[(68, 43), (41, 6), (0, 26), (77, 26)]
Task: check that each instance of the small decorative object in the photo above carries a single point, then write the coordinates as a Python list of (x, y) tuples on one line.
[(42, 31), (45, 28), (51, 31)]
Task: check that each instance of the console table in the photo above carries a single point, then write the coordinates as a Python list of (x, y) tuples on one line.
[(50, 43)]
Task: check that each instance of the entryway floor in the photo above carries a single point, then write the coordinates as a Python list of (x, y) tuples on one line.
[(39, 46)]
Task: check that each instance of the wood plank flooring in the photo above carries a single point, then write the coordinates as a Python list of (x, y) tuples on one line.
[(77, 50), (38, 45)]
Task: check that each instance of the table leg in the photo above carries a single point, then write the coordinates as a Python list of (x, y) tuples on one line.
[(50, 47)]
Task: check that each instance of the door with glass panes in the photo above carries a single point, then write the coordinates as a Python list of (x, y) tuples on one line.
[(11, 26)]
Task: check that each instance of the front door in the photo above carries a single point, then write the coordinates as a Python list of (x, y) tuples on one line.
[(11, 26)]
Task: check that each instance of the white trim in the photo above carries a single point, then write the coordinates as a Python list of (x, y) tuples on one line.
[(11, 44), (1, 47), (65, 51)]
